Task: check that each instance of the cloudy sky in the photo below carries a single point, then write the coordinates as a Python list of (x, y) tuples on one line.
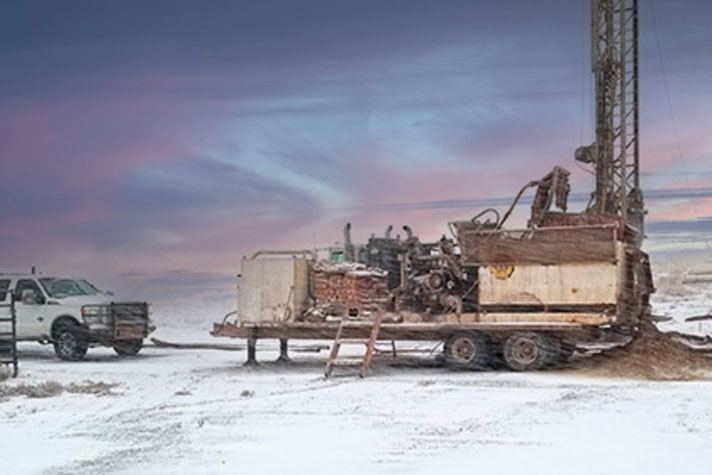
[(153, 143)]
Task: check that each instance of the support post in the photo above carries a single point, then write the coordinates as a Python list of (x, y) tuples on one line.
[(284, 351), (251, 348)]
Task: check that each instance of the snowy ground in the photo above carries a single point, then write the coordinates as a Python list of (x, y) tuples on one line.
[(185, 411)]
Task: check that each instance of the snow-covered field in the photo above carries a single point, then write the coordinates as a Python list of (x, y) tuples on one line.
[(201, 411)]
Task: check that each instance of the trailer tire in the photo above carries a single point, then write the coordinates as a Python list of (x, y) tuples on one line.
[(526, 351), (467, 350), (128, 347), (557, 351), (69, 341), (565, 352)]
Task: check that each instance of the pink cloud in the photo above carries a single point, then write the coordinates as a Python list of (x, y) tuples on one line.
[(690, 209)]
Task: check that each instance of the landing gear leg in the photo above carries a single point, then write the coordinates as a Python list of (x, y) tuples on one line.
[(251, 349), (284, 351)]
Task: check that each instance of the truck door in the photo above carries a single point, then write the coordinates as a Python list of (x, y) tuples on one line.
[(30, 315)]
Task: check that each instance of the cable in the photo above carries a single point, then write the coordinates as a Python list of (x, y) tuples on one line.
[(583, 71), (590, 172), (693, 195)]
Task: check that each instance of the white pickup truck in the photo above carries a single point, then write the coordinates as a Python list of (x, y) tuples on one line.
[(73, 315)]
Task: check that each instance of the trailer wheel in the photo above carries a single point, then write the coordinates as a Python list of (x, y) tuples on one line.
[(467, 350), (565, 352), (525, 351), (128, 347)]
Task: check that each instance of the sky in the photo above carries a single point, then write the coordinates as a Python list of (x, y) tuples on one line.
[(149, 145)]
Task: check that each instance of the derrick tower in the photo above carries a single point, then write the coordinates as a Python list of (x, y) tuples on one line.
[(615, 154)]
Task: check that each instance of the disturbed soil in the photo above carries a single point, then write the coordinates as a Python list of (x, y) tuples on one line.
[(650, 355), (46, 389)]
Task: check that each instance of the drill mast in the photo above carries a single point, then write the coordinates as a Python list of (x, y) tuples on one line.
[(615, 153)]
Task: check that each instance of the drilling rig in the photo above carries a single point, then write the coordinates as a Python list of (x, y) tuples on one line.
[(531, 295), (584, 268)]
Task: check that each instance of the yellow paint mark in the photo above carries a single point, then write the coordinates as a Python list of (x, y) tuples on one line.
[(502, 272)]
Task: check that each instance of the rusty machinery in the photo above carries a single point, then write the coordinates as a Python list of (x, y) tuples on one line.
[(435, 278)]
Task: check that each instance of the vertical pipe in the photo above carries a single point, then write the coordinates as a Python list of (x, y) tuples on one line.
[(13, 316), (622, 170), (594, 34), (636, 111), (609, 103)]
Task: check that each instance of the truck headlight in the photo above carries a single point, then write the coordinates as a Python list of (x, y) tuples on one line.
[(96, 314)]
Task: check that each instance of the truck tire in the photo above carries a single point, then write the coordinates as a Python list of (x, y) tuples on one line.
[(69, 341), (527, 351), (128, 347), (467, 350)]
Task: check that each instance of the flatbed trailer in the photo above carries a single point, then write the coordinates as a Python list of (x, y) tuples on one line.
[(466, 345)]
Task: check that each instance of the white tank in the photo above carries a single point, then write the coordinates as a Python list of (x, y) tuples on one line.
[(272, 289)]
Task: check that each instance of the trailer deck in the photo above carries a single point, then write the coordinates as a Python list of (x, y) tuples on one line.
[(435, 331), (389, 331)]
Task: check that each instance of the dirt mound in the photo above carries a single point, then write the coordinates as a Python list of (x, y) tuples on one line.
[(52, 388), (40, 390), (651, 355)]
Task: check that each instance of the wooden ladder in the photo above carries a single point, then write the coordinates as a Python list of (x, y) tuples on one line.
[(370, 342), (8, 335)]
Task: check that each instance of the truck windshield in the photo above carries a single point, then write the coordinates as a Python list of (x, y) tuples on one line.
[(60, 288)]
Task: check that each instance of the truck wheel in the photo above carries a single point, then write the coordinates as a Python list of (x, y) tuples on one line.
[(69, 342), (467, 350), (128, 347), (525, 351)]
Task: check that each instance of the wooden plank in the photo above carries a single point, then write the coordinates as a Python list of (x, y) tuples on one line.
[(394, 331), (371, 344), (334, 350), (547, 317)]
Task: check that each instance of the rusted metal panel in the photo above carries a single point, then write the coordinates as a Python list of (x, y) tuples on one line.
[(550, 245), (560, 284), (557, 219)]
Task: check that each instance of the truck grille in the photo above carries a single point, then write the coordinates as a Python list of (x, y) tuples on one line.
[(130, 320)]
